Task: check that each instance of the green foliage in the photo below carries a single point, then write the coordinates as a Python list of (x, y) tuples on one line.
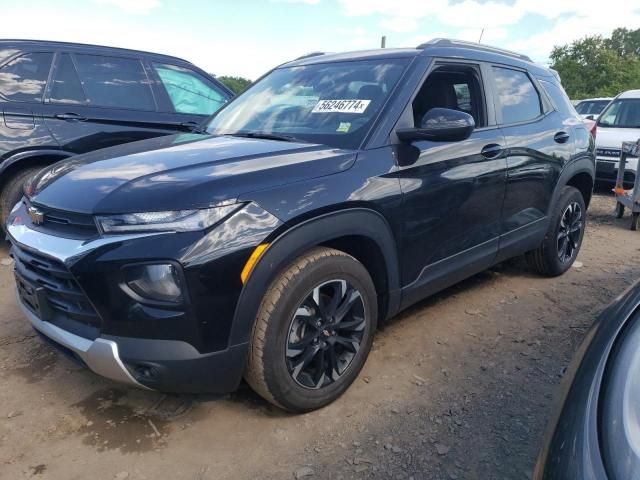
[(599, 67), (236, 84)]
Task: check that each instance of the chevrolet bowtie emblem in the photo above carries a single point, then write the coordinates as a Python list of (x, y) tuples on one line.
[(37, 216)]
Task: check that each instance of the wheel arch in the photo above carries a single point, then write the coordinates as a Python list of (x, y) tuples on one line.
[(26, 159), (360, 232), (580, 174)]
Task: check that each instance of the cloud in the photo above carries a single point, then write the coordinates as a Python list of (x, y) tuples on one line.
[(137, 7), (399, 24)]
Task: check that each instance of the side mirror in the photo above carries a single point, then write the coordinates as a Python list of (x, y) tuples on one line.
[(440, 125), (590, 117)]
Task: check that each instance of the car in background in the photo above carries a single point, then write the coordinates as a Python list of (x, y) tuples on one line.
[(619, 122), (595, 433), (61, 99), (590, 108)]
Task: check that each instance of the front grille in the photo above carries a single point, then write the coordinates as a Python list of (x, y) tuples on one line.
[(69, 307), (70, 224), (608, 152)]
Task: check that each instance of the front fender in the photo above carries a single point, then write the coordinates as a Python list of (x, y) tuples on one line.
[(300, 238)]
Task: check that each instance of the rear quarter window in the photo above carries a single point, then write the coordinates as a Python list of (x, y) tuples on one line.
[(559, 98), (23, 79)]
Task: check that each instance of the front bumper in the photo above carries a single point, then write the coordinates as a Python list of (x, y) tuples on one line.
[(607, 169), (182, 351)]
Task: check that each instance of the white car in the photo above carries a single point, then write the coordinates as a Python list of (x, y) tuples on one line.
[(590, 108), (619, 122)]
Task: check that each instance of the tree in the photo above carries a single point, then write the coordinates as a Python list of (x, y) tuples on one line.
[(597, 67), (236, 84)]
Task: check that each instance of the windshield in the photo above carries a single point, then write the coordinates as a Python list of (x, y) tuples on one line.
[(624, 113), (591, 107), (331, 103)]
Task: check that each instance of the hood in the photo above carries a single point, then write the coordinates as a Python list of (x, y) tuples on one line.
[(179, 172), (611, 137)]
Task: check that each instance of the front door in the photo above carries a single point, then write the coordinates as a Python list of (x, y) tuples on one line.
[(453, 191)]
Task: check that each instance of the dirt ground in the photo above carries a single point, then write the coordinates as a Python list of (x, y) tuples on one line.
[(459, 387)]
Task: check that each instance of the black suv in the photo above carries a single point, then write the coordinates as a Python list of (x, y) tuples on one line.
[(61, 99), (334, 192)]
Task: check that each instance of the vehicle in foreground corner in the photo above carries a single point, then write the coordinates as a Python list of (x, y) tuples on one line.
[(334, 192), (60, 99), (595, 433), (591, 108), (619, 122)]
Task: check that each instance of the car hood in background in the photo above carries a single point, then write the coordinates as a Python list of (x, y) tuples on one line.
[(180, 172), (610, 137)]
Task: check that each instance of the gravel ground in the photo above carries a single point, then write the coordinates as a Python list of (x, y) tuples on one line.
[(460, 386)]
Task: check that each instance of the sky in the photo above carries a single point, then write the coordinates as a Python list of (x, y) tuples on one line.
[(249, 37)]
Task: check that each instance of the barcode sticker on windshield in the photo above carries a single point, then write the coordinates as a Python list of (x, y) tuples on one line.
[(341, 106)]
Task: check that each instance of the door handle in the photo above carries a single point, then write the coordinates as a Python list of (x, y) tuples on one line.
[(493, 150), (70, 117), (561, 137)]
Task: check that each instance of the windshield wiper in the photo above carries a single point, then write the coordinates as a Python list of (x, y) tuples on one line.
[(266, 136)]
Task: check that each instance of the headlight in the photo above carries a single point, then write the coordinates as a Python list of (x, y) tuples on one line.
[(161, 282), (172, 221)]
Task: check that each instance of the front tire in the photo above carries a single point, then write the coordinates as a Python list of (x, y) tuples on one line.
[(11, 191), (562, 243), (313, 331)]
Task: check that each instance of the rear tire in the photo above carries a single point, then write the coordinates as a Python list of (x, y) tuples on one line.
[(12, 190), (563, 240), (313, 331)]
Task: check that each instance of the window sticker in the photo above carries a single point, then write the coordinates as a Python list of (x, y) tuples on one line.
[(341, 106), (344, 127)]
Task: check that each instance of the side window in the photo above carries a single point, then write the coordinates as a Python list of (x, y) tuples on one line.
[(23, 79), (189, 91), (559, 98), (66, 86), (114, 82), (519, 100), (457, 88)]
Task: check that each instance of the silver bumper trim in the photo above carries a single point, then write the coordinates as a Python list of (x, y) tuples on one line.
[(100, 355)]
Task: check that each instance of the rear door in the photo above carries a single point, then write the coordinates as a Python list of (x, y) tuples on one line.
[(96, 101), (188, 97), (23, 77), (538, 144)]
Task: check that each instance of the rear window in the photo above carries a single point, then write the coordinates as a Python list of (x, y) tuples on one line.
[(591, 107), (114, 82), (559, 98), (518, 98), (23, 79)]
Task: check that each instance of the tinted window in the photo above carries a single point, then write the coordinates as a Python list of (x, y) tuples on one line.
[(559, 98), (23, 79), (592, 107), (114, 82), (457, 89), (329, 103), (189, 91), (66, 87), (519, 100), (623, 113)]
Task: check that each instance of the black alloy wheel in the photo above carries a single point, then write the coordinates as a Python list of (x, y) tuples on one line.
[(325, 334), (570, 232)]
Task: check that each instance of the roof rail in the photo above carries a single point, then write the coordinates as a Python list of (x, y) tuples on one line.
[(312, 54), (446, 42)]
